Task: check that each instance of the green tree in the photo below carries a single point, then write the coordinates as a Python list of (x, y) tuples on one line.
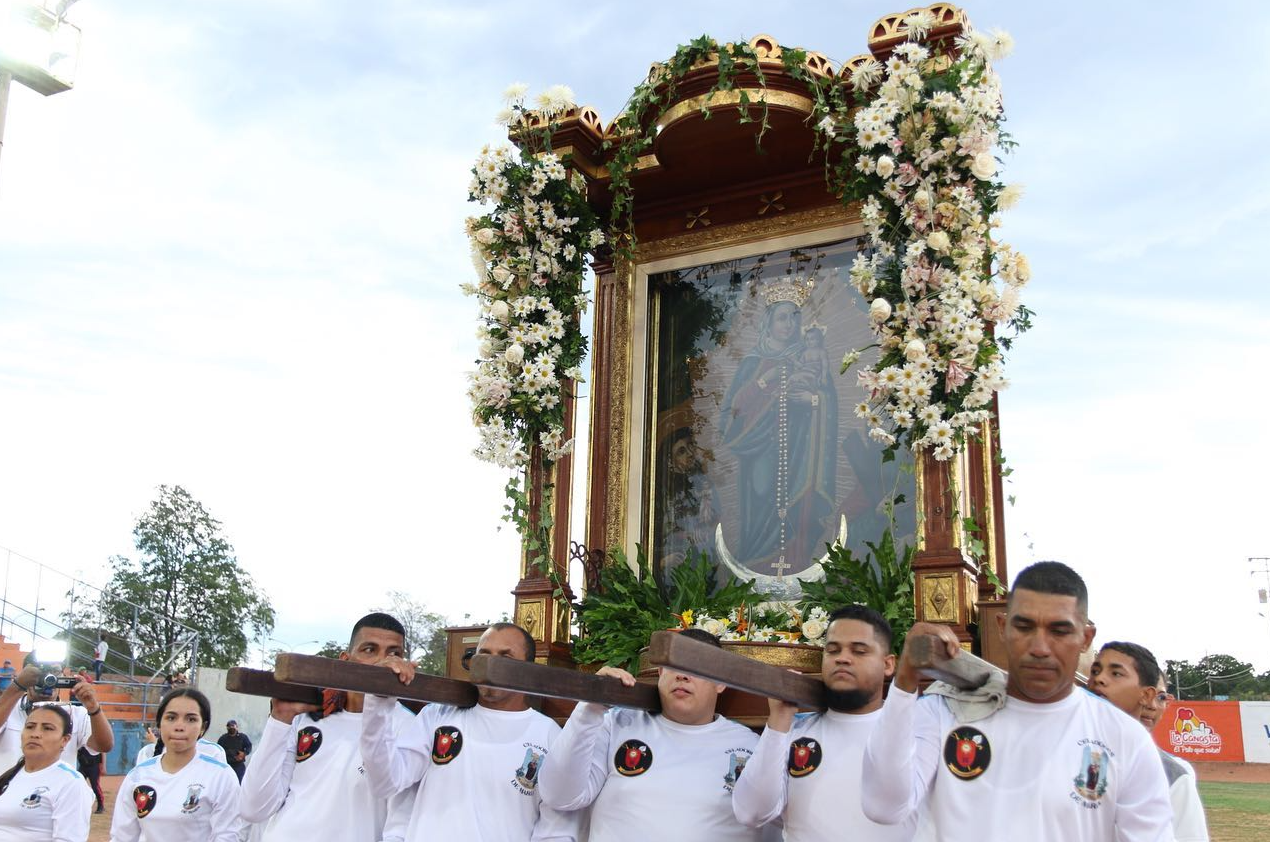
[(425, 631), (332, 649), (186, 577)]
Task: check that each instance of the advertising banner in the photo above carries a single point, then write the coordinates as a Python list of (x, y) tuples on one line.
[(1201, 731), (1256, 725)]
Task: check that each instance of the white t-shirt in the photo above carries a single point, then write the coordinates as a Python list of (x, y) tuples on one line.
[(308, 782), (207, 747), (477, 771), (1189, 824), (633, 767), (11, 735), (809, 777), (197, 804), (1077, 768), (99, 654), (51, 805)]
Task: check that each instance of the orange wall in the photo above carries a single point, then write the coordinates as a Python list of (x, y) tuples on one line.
[(1201, 731)]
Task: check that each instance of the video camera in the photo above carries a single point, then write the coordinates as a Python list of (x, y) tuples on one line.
[(49, 683)]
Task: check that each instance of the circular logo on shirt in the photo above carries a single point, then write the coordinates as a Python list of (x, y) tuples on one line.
[(967, 753), (633, 758), (805, 756), (307, 743), (33, 800), (145, 798), (446, 744)]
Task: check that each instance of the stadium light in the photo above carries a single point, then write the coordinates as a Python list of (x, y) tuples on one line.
[(37, 47)]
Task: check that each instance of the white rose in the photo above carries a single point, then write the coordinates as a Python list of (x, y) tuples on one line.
[(915, 350), (983, 166), (502, 275), (484, 236), (880, 310), (922, 199), (514, 354), (486, 349), (885, 166), (974, 335), (499, 310), (1022, 269), (715, 627), (939, 241), (813, 629)]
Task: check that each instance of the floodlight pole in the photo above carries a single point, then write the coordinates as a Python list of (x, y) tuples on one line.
[(5, 78)]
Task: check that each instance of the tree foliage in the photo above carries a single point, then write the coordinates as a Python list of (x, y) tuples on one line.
[(425, 631), (1217, 675), (185, 577)]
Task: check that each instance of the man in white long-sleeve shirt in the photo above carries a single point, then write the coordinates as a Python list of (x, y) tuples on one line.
[(306, 780), (629, 766), (476, 768), (1054, 763), (1127, 675), (804, 762)]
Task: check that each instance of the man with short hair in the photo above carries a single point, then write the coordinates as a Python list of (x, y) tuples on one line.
[(678, 766), (307, 781), (1051, 763), (89, 726), (477, 768), (1127, 675), (237, 746), (6, 674), (805, 761)]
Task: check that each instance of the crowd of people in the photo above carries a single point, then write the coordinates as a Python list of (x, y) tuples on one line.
[(1030, 756)]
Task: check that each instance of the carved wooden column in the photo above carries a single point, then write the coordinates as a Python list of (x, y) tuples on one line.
[(946, 580)]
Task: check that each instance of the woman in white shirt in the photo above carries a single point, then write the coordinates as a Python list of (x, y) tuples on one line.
[(41, 798), (179, 795)]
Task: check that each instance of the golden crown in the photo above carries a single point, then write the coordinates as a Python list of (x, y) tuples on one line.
[(795, 289)]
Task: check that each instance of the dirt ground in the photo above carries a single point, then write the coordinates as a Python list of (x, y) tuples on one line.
[(1241, 773)]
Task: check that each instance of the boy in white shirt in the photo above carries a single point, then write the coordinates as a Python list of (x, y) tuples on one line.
[(679, 766), (1052, 764), (306, 780), (1128, 676), (806, 761)]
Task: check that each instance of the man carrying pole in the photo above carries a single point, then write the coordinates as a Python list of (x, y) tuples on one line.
[(306, 778), (476, 768), (1050, 763), (676, 769), (805, 761)]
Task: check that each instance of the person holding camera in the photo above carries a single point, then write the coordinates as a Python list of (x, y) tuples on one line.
[(32, 689), (41, 798)]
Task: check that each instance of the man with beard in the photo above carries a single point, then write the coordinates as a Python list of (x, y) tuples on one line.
[(804, 761), (1018, 771), (1128, 676), (675, 769)]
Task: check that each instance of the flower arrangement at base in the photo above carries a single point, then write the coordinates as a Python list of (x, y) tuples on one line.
[(938, 284)]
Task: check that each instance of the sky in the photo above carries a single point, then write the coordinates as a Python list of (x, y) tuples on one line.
[(230, 259)]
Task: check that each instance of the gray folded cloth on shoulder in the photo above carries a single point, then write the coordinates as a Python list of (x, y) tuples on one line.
[(973, 705)]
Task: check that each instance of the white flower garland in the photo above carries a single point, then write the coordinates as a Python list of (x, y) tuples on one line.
[(939, 285), (530, 255)]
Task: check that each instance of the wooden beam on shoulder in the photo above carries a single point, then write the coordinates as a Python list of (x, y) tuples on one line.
[(315, 671), (557, 682)]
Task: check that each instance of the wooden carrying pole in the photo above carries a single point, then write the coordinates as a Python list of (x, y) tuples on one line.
[(314, 671), (557, 682), (671, 649), (262, 683)]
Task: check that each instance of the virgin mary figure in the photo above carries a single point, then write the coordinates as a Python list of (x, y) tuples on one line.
[(780, 420)]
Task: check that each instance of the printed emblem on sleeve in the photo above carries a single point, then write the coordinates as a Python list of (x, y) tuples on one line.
[(145, 798), (633, 758), (967, 752), (1093, 775), (736, 765), (805, 757), (192, 800), (447, 742), (527, 775), (307, 743), (33, 800)]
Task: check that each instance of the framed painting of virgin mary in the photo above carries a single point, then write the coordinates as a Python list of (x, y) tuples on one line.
[(756, 456)]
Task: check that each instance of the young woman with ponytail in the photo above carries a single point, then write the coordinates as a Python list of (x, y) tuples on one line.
[(179, 795), (41, 798)]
